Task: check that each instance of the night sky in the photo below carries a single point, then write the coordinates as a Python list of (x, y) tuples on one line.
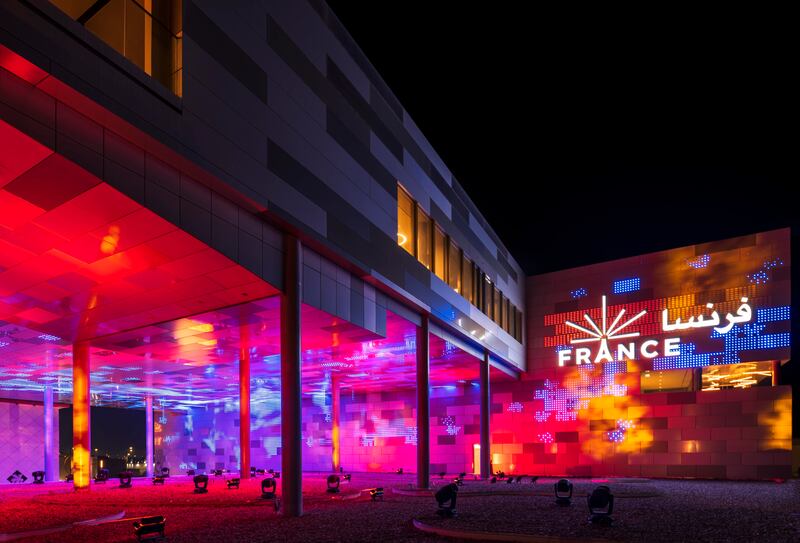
[(585, 136)]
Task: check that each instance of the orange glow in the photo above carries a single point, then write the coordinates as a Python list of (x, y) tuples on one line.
[(110, 241), (335, 431), (81, 437)]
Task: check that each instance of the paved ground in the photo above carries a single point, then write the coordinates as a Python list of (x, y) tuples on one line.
[(645, 510)]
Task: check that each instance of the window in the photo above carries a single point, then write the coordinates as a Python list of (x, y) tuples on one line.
[(440, 254), (467, 279), (742, 375), (405, 221), (147, 32), (497, 311), (423, 238), (454, 266), (420, 236), (667, 381), (487, 298)]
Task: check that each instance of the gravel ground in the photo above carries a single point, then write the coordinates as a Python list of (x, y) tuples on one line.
[(645, 510)]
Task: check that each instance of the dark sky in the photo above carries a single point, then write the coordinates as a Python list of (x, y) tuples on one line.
[(585, 136)]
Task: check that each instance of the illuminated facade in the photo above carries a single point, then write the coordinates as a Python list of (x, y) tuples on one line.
[(188, 199), (237, 228), (660, 365)]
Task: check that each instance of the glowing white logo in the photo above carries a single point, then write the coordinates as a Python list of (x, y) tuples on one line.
[(604, 333)]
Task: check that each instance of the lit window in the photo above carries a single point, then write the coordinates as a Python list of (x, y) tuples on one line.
[(467, 279), (454, 267), (742, 375), (497, 312), (147, 32), (439, 256), (423, 238), (405, 221), (667, 381)]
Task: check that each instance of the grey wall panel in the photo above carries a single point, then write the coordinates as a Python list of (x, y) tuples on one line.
[(280, 104)]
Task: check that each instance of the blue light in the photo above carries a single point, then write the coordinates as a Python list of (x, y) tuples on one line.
[(699, 262), (627, 285), (747, 337), (578, 293), (773, 314)]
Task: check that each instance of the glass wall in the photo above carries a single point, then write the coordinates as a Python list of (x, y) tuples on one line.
[(405, 221), (146, 32), (440, 253), (454, 267), (425, 240)]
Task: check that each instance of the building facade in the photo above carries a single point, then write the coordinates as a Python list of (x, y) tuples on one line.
[(221, 214)]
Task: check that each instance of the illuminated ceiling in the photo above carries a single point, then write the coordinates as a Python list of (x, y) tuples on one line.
[(79, 260)]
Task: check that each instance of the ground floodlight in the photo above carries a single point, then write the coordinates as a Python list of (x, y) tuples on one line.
[(200, 484), (534, 479), (601, 505), (563, 491), (17, 477), (149, 527), (158, 480), (269, 492), (333, 484), (125, 479), (347, 477), (233, 483), (493, 480), (376, 493), (38, 477), (165, 472), (442, 474), (190, 472), (519, 478), (399, 471), (102, 476), (446, 499), (510, 479)]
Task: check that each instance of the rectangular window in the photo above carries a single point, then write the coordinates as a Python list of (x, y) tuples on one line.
[(497, 311), (440, 254), (667, 381), (454, 267), (467, 281), (487, 297), (512, 321), (742, 375), (146, 32), (424, 238), (405, 220)]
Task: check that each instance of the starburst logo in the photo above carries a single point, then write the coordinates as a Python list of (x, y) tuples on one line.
[(602, 333)]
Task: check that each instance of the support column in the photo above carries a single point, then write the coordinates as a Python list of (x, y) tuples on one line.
[(244, 402), (486, 408), (291, 405), (776, 372), (50, 449), (81, 405), (336, 438), (148, 435), (423, 404)]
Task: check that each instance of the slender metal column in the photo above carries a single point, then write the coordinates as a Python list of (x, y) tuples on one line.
[(148, 434), (423, 404), (336, 438), (81, 425), (50, 429), (244, 402), (291, 404), (486, 407)]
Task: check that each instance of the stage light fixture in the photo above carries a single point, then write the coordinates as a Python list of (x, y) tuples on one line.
[(563, 491)]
